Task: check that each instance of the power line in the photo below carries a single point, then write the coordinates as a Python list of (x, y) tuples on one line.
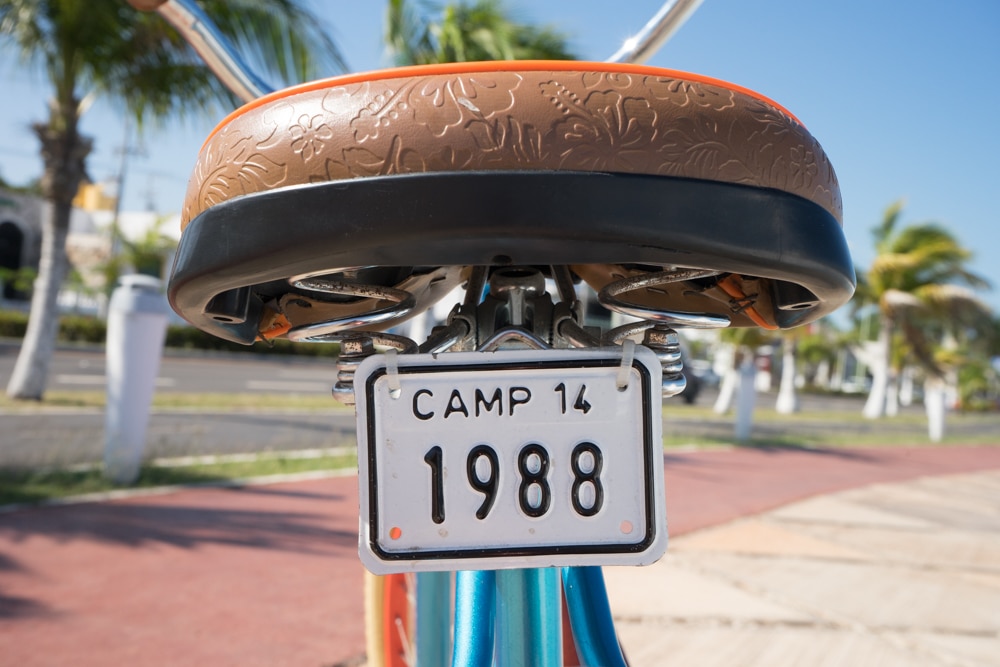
[(99, 164)]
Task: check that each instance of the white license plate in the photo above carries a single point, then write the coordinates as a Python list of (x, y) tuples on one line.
[(526, 458)]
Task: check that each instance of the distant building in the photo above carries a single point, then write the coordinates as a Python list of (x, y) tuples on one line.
[(20, 238), (89, 245)]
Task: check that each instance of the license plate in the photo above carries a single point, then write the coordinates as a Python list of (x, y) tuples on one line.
[(525, 458)]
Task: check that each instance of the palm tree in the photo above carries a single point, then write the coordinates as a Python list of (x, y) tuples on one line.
[(947, 321), (819, 349), (979, 378), (913, 281), (105, 47), (147, 254), (484, 30)]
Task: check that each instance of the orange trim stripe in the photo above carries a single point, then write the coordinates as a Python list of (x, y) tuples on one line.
[(493, 66)]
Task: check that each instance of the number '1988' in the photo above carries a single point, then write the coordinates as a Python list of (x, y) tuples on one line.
[(534, 496)]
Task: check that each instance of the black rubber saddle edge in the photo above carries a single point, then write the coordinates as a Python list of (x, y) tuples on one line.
[(509, 217)]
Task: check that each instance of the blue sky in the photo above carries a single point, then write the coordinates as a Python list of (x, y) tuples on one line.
[(904, 97)]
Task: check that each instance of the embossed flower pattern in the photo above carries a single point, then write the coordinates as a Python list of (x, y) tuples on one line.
[(451, 103), (605, 130), (381, 113), (803, 167), (309, 136), (232, 164), (596, 121), (683, 93)]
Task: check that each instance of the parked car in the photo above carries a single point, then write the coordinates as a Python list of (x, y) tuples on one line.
[(693, 387), (703, 369)]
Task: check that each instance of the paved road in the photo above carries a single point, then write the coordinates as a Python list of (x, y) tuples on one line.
[(180, 371), (74, 436), (65, 437), (83, 368)]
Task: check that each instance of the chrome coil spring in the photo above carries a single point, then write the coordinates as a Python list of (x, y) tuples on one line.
[(662, 340), (357, 346), (666, 343)]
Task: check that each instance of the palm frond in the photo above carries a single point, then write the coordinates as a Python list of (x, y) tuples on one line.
[(971, 279), (288, 39), (955, 305), (893, 262), (408, 38), (462, 32), (883, 231), (894, 300), (918, 343), (916, 236), (945, 295), (23, 21), (143, 65)]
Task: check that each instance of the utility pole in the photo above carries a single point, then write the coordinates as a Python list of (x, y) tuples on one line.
[(125, 151)]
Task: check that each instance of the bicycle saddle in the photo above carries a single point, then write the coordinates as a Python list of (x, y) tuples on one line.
[(398, 181)]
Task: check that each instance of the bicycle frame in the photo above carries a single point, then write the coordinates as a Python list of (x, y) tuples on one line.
[(508, 616)]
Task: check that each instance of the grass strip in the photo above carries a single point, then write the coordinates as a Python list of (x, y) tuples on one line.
[(685, 425), (179, 401), (826, 440), (37, 486)]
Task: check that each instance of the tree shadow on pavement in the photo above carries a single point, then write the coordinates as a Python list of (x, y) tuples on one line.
[(13, 606), (234, 517), (706, 465), (779, 446)]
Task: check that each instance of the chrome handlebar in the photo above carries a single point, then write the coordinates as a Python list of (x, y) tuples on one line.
[(660, 28), (220, 56), (214, 48)]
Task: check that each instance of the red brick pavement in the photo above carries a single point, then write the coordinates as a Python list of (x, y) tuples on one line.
[(269, 575)]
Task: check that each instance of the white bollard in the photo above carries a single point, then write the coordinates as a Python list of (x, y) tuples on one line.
[(788, 398), (746, 398), (137, 325), (934, 405)]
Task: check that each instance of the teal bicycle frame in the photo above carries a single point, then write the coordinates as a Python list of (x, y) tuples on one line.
[(514, 617)]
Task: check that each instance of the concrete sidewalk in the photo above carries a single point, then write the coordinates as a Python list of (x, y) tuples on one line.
[(779, 557), (899, 574)]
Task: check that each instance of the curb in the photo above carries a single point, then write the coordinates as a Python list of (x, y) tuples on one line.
[(127, 494)]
